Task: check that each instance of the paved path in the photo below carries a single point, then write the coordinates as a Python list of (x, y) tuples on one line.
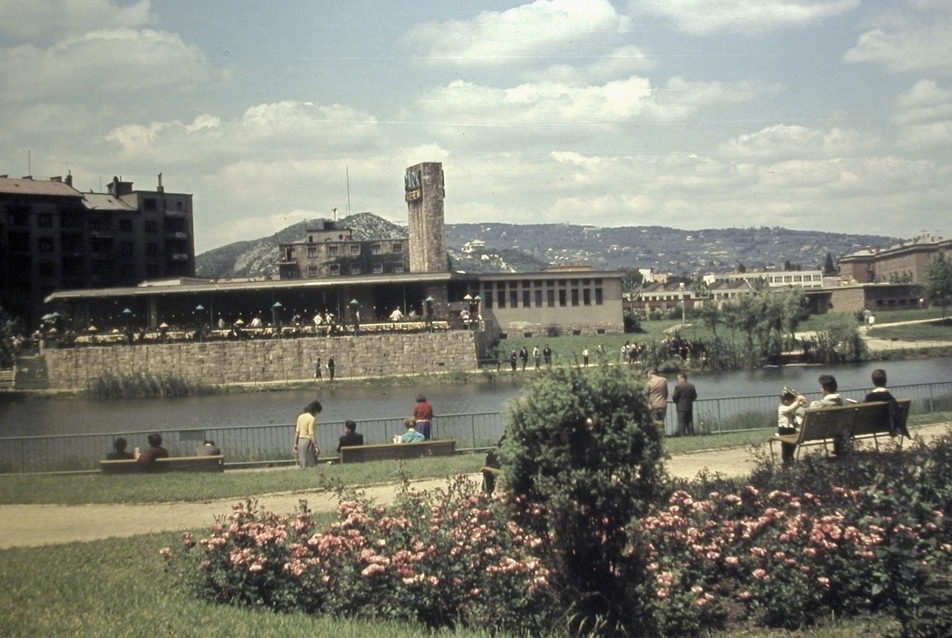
[(35, 525)]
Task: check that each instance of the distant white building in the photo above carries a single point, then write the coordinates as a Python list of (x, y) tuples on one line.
[(773, 278)]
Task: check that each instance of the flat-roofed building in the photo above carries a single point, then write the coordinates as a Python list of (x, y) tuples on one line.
[(904, 262)]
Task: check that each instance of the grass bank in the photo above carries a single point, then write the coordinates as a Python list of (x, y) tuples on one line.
[(119, 588)]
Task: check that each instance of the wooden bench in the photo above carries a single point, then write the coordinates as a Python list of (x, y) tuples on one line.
[(820, 426), (171, 464), (389, 451)]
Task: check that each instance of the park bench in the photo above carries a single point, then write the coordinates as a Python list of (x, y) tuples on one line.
[(820, 426), (170, 464), (389, 451)]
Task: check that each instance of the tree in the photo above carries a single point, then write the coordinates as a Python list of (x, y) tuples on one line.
[(583, 461), (938, 281), (828, 267), (741, 268)]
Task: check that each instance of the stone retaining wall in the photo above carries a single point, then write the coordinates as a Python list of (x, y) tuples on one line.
[(269, 360)]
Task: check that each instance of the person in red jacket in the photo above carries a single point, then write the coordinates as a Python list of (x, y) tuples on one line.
[(423, 414)]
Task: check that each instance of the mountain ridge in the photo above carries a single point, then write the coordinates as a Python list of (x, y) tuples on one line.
[(502, 247)]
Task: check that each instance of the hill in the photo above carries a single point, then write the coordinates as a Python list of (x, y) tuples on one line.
[(496, 247)]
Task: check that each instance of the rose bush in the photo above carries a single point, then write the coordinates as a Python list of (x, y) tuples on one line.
[(441, 559)]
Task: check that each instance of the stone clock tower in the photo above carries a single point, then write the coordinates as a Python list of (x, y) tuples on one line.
[(423, 190)]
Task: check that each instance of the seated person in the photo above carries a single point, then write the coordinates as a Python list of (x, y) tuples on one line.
[(411, 435), (147, 459), (396, 315), (208, 448), (830, 398), (881, 395), (351, 437), (119, 453)]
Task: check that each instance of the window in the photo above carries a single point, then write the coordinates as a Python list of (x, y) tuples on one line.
[(397, 247), (488, 296), (47, 269), (501, 298), (598, 296), (125, 249), (355, 249), (45, 245), (125, 225), (334, 270), (179, 205), (586, 297), (151, 248), (525, 298), (312, 271), (151, 226), (574, 296), (44, 221), (355, 269), (312, 251), (550, 298), (538, 298), (149, 204), (333, 250), (513, 298), (562, 301), (152, 270), (378, 268), (374, 249), (398, 268)]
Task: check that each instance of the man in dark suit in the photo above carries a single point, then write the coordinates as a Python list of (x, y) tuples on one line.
[(351, 437), (684, 397)]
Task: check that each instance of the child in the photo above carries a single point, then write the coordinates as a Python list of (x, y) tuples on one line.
[(790, 401)]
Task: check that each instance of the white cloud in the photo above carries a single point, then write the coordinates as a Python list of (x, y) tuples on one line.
[(556, 107), (525, 33), (619, 64), (924, 102), (264, 130), (784, 141), (749, 17), (29, 19), (106, 61), (903, 40), (924, 117)]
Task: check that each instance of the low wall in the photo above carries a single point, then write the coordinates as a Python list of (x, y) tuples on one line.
[(269, 360)]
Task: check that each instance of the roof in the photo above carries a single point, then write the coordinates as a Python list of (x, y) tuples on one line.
[(104, 201), (30, 186), (168, 287), (909, 245)]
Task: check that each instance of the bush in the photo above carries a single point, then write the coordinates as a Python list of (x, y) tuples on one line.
[(444, 559), (583, 460)]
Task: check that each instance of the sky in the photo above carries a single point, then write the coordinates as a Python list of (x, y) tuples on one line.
[(830, 115)]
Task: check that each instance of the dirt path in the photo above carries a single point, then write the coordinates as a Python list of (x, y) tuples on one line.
[(35, 525)]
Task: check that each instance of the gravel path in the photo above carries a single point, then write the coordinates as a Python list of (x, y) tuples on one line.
[(35, 525)]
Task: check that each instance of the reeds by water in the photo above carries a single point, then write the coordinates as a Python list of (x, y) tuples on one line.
[(141, 385)]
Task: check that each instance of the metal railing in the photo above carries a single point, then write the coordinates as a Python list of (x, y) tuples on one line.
[(271, 444)]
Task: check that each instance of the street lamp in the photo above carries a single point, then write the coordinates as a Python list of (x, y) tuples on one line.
[(683, 307), (428, 302), (355, 315), (127, 314), (276, 316), (200, 321), (476, 300)]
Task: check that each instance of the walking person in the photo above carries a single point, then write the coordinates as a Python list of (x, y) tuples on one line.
[(547, 355), (305, 435), (536, 356), (585, 356), (330, 367), (524, 357), (318, 369), (684, 397)]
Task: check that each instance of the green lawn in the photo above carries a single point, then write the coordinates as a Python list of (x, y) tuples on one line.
[(938, 331)]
